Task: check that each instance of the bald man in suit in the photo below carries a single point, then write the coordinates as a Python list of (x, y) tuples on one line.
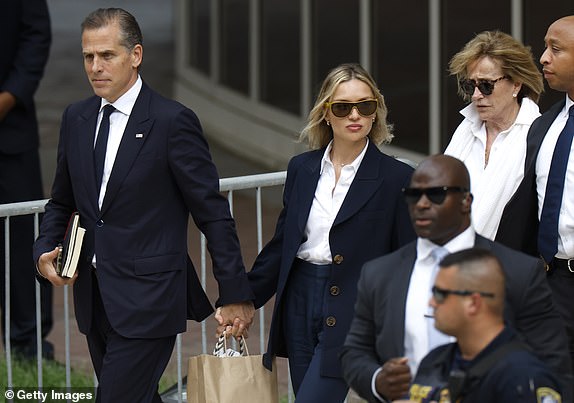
[(387, 338)]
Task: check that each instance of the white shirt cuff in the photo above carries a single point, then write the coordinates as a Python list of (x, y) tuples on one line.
[(373, 388)]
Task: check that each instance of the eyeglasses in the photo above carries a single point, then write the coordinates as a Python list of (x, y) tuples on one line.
[(484, 86), (436, 195), (343, 109), (440, 294)]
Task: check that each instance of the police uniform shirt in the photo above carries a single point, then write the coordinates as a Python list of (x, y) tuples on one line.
[(517, 377)]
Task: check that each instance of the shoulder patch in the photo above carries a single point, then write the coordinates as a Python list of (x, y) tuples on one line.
[(547, 395)]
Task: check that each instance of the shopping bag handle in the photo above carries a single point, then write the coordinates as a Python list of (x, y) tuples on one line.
[(220, 349)]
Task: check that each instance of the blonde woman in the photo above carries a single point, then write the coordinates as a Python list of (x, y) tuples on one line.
[(342, 206)]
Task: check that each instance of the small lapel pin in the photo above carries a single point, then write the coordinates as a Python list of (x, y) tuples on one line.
[(139, 136)]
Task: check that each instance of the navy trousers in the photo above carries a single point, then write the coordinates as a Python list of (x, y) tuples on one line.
[(128, 370), (303, 326)]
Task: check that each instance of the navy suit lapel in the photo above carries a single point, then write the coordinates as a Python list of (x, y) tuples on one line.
[(366, 182), (538, 132), (86, 132), (136, 132), (306, 184)]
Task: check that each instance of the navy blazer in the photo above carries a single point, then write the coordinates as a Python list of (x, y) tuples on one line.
[(378, 329), (518, 227), (162, 172), (373, 220), (25, 38)]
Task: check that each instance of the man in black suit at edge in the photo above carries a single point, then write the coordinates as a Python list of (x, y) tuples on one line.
[(25, 38), (388, 336)]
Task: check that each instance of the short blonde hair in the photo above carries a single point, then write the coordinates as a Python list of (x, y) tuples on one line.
[(319, 134), (515, 60)]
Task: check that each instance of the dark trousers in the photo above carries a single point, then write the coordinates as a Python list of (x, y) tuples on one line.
[(304, 319), (20, 180), (561, 281), (128, 370)]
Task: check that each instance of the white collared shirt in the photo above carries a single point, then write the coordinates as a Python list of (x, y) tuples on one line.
[(329, 196), (494, 184), (417, 304), (118, 122), (543, 161)]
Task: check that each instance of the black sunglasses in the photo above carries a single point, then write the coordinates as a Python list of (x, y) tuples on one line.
[(440, 294), (343, 109), (436, 195), (484, 86)]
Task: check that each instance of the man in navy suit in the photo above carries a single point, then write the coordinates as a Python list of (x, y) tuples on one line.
[(25, 38), (527, 205), (135, 285), (390, 332)]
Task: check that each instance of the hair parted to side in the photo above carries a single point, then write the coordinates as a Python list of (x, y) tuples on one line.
[(318, 133), (515, 60), (131, 34)]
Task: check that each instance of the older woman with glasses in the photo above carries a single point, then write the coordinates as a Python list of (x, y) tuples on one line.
[(342, 207), (498, 76)]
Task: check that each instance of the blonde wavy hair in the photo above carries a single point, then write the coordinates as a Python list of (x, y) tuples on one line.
[(319, 134), (514, 58)]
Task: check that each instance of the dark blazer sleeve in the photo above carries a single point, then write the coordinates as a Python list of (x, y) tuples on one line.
[(264, 274), (31, 48), (198, 181), (25, 38), (360, 355)]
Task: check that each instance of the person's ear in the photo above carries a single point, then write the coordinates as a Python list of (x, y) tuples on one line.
[(466, 201), (137, 56)]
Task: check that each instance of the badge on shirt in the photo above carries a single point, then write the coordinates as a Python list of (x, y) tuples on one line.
[(426, 394), (547, 395)]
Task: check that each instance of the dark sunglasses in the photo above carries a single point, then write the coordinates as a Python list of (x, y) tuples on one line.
[(484, 86), (343, 109), (436, 195), (440, 294)]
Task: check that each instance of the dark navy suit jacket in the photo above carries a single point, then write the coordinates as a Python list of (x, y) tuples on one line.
[(378, 329), (162, 172), (373, 220)]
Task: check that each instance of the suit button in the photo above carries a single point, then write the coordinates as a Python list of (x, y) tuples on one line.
[(338, 259), (334, 290), (330, 321), (100, 223)]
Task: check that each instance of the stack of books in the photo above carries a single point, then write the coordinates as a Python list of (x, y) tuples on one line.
[(70, 249)]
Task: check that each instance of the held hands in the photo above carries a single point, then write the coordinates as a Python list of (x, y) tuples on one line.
[(47, 269), (235, 319), (393, 381)]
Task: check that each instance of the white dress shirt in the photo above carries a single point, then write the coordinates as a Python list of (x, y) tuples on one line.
[(494, 184), (543, 161), (329, 196)]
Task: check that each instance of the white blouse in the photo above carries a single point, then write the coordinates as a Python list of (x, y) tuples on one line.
[(492, 186)]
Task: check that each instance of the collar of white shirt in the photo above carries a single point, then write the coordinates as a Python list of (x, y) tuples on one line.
[(356, 162)]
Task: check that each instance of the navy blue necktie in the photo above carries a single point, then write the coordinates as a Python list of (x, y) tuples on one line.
[(548, 229), (101, 144)]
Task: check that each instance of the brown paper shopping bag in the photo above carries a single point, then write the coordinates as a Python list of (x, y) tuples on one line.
[(230, 376)]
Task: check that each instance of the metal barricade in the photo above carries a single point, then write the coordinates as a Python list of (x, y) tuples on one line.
[(35, 208)]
